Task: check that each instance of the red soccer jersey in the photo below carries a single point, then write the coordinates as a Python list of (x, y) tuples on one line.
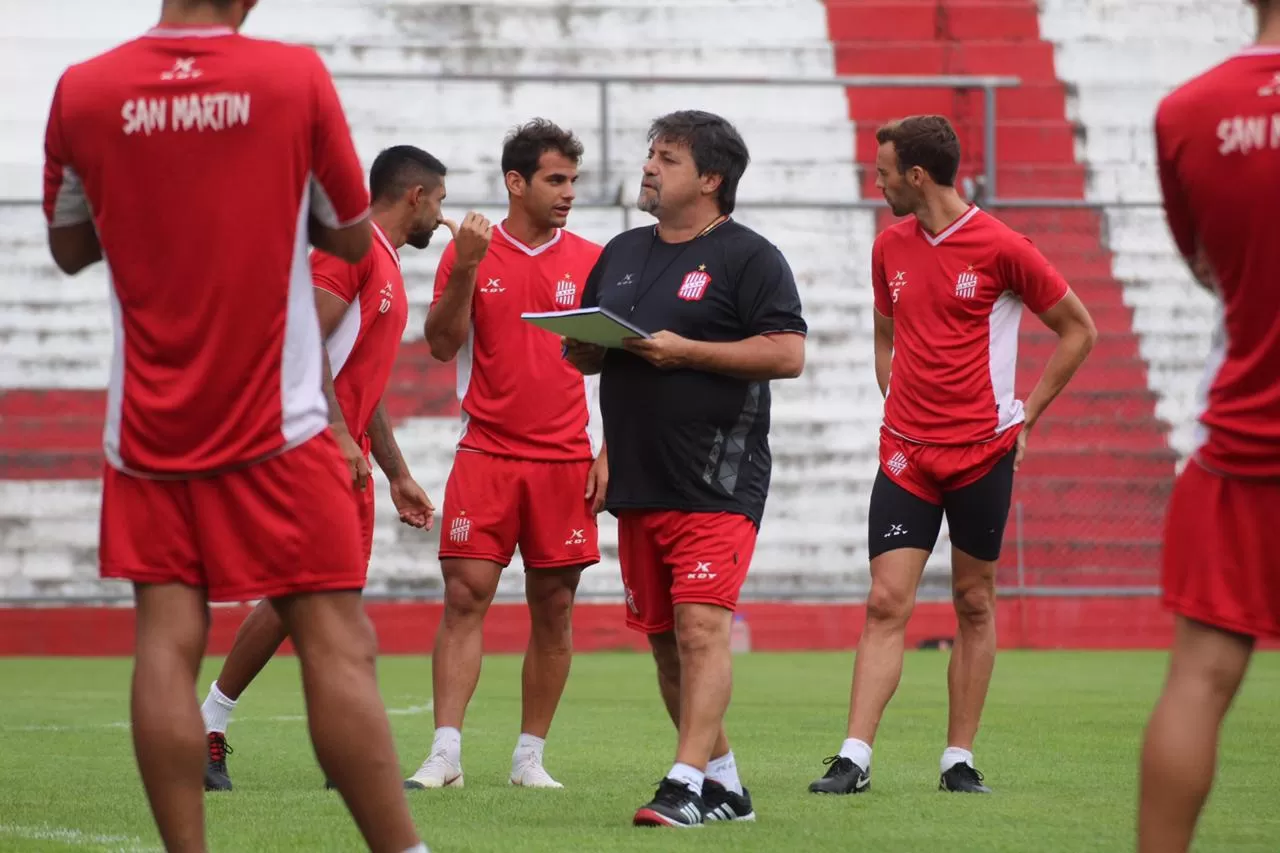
[(197, 154), (956, 302), (363, 348), (519, 397), (1218, 144)]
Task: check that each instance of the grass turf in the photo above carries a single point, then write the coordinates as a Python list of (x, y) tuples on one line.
[(1059, 745)]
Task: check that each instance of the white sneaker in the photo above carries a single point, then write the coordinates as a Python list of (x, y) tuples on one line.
[(528, 772), (436, 772)]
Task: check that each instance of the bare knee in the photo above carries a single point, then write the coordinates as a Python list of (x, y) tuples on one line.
[(172, 623), (550, 597), (468, 591), (975, 601), (701, 629), (888, 606)]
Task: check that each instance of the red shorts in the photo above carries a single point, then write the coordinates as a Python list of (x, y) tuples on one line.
[(1222, 552), (930, 470), (368, 519), (285, 525), (494, 503), (670, 557)]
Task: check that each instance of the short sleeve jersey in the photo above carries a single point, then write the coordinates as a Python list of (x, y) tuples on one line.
[(1218, 149), (956, 301), (362, 349), (198, 154), (519, 397), (687, 439)]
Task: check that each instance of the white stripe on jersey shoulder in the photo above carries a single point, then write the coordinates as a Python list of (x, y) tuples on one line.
[(952, 228), (343, 340), (527, 250), (163, 32), (1259, 50), (386, 244)]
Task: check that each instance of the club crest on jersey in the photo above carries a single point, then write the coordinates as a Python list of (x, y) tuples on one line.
[(694, 286), (967, 283), (566, 291)]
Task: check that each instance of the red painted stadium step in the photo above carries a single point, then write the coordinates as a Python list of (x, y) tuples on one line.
[(50, 464), (1101, 462), (1102, 432), (1032, 100), (1080, 401), (1038, 346), (1095, 527), (1135, 495), (65, 432), (1030, 59), (923, 20), (1073, 561), (47, 403)]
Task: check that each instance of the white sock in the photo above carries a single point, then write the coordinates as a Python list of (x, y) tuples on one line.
[(953, 755), (217, 710), (725, 771), (449, 741), (421, 848), (857, 751), (691, 777), (530, 745)]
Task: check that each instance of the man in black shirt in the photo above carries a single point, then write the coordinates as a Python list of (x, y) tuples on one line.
[(686, 421)]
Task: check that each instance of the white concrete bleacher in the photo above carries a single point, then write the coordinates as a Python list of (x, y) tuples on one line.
[(1120, 57), (55, 330)]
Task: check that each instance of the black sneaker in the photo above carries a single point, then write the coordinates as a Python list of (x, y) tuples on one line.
[(963, 779), (842, 777), (719, 803), (673, 805), (215, 768)]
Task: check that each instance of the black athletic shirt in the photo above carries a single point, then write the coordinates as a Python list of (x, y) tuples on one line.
[(686, 439)]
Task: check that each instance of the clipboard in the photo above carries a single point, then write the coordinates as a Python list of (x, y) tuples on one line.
[(590, 325)]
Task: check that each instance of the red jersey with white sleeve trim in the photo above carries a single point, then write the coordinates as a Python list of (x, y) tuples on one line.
[(520, 398), (362, 349), (1218, 147), (197, 154), (956, 301)]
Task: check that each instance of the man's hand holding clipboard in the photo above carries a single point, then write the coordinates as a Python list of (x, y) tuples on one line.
[(588, 358)]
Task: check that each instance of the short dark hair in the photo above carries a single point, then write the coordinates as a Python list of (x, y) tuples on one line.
[(398, 168), (525, 145), (929, 142), (717, 147)]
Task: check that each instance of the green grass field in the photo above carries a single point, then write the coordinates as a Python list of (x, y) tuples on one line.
[(1059, 746)]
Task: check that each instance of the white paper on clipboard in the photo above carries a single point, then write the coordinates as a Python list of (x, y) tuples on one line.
[(589, 325)]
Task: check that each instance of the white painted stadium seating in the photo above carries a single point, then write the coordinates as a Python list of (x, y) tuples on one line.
[(55, 330), (1121, 57)]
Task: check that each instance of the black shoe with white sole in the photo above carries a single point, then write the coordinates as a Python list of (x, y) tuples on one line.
[(719, 803), (673, 805), (962, 778), (842, 777)]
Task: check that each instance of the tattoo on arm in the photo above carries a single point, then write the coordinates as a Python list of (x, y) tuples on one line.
[(383, 440)]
